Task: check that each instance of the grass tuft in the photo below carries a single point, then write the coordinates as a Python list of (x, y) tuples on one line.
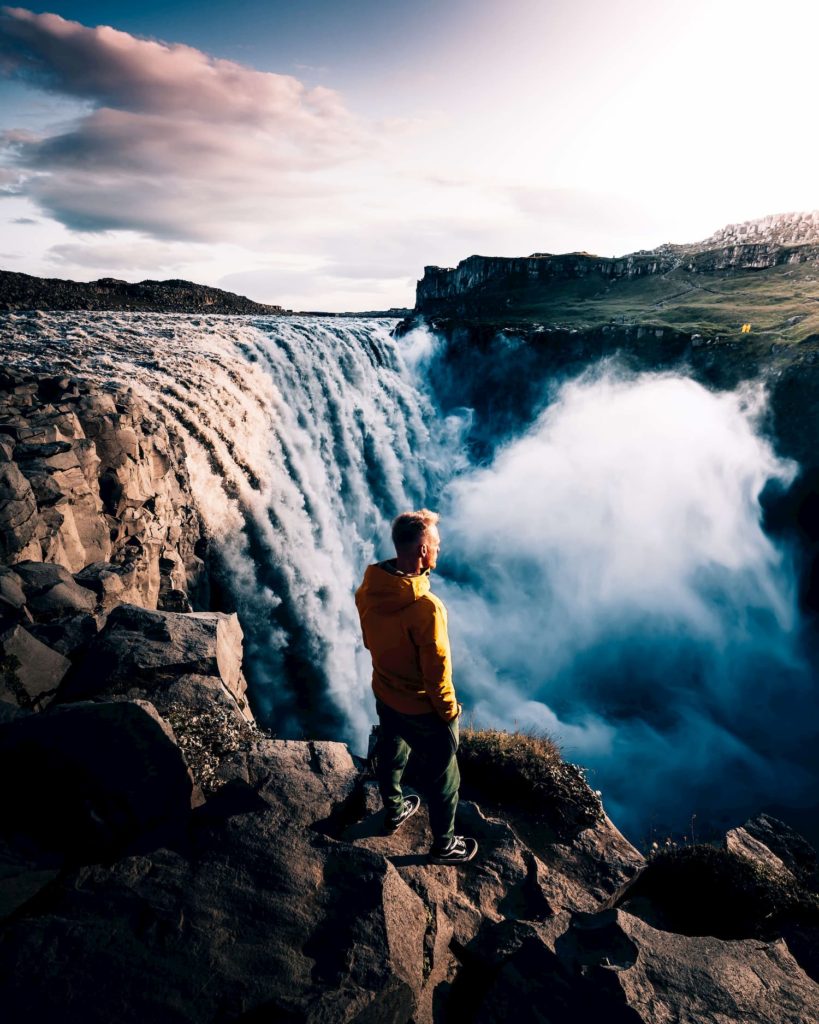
[(703, 890), (525, 771)]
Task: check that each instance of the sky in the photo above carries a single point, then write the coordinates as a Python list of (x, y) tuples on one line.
[(318, 155)]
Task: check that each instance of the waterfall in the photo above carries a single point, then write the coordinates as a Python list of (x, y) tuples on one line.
[(303, 438), (607, 573)]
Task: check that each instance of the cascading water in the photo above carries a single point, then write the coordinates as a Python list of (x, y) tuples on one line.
[(606, 571), (303, 439)]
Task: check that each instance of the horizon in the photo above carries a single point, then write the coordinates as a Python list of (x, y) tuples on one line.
[(411, 305), (320, 158)]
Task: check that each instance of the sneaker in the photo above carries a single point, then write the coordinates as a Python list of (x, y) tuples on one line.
[(408, 808), (458, 850)]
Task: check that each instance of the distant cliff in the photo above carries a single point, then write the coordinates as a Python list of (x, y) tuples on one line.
[(545, 286), (21, 291)]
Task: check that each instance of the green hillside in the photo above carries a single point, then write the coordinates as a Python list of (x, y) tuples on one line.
[(781, 303)]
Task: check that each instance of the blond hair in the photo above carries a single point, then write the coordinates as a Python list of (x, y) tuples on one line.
[(410, 527)]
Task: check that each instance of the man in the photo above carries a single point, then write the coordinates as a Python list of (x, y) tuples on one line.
[(405, 629)]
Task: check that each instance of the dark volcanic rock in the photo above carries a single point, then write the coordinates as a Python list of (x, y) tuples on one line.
[(148, 649), (18, 512), (792, 849), (12, 594), (613, 967), (91, 475), (31, 671), (89, 780), (51, 591), (69, 635), (21, 291), (480, 285), (700, 890), (276, 926)]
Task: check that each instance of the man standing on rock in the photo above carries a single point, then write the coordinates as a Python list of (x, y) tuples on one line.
[(405, 629)]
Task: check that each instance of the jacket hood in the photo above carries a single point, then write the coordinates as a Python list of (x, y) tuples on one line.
[(388, 591)]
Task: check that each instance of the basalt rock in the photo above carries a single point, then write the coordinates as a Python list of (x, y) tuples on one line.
[(283, 902), (90, 475), (797, 855), (258, 924), (12, 595), (69, 635), (144, 649), (612, 966), (51, 591), (30, 671)]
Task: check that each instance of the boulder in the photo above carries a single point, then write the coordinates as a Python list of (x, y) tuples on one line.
[(12, 595), (31, 671), (91, 780), (741, 843), (112, 583), (309, 783), (70, 635), (614, 967), (51, 591), (785, 843), (258, 921), (149, 649)]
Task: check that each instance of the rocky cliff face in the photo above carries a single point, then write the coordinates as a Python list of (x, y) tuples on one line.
[(22, 291), (162, 859), (475, 288), (96, 509)]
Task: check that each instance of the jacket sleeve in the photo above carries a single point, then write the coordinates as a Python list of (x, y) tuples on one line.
[(358, 605), (429, 634)]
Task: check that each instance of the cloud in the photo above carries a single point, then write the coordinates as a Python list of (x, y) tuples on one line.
[(176, 143), (133, 254)]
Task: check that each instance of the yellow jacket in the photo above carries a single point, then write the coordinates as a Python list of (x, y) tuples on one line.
[(404, 628)]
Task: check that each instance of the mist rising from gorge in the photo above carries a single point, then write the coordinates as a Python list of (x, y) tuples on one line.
[(610, 583)]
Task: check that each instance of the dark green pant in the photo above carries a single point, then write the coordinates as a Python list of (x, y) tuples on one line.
[(433, 743)]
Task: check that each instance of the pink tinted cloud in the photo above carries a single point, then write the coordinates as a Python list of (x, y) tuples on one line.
[(179, 143)]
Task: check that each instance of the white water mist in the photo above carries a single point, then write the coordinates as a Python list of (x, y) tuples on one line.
[(609, 582)]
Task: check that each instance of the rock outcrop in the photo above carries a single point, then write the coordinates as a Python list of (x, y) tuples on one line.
[(474, 289), (92, 476), (278, 899), (477, 286)]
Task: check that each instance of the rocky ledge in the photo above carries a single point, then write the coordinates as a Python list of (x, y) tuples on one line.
[(163, 859)]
